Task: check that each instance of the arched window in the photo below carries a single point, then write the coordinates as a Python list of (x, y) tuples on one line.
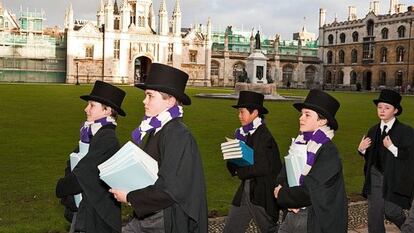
[(354, 56), (370, 28), (330, 39), (329, 56), (287, 74), (382, 78), (342, 37), (384, 53), (400, 54), (328, 77), (384, 33), (401, 32), (341, 56), (353, 76), (215, 66), (340, 79), (355, 36), (398, 78)]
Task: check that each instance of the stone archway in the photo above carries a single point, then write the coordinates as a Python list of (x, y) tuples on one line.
[(141, 68)]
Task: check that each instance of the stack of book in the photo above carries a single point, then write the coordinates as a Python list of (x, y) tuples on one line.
[(129, 169), (74, 160), (295, 162), (237, 152)]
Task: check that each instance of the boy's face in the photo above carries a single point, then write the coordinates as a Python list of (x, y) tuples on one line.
[(385, 111), (246, 117), (95, 111), (309, 121), (154, 104)]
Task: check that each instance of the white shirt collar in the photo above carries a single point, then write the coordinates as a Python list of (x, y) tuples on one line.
[(389, 124)]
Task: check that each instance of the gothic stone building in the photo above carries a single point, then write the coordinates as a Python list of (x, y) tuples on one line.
[(125, 40), (373, 52)]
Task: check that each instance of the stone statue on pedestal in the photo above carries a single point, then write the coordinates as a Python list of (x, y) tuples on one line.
[(257, 38)]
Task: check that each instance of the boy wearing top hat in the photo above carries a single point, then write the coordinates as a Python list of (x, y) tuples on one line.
[(318, 204), (388, 152), (176, 203), (254, 198), (98, 211)]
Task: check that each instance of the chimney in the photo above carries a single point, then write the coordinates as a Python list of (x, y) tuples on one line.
[(400, 8), (352, 13), (393, 7)]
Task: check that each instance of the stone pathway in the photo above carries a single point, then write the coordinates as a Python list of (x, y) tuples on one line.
[(357, 221)]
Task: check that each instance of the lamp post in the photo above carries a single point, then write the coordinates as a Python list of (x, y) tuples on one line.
[(77, 72)]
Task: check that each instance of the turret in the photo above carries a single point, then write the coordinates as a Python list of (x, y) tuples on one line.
[(177, 19), (109, 16), (163, 19)]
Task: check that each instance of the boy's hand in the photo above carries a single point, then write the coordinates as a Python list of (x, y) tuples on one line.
[(294, 210), (387, 142), (364, 144), (119, 195)]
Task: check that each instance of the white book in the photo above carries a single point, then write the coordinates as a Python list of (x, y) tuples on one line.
[(129, 169), (295, 162), (74, 160)]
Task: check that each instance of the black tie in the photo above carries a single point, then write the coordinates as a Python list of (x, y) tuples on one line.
[(384, 132)]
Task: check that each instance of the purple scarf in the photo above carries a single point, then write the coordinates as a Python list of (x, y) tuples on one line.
[(156, 123), (242, 132), (314, 140), (88, 129)]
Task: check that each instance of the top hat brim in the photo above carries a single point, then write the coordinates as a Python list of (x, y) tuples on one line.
[(399, 107), (182, 97), (260, 108), (104, 101), (331, 120)]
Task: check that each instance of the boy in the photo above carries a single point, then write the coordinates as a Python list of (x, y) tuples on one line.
[(98, 212), (176, 203), (319, 203), (254, 197), (388, 152)]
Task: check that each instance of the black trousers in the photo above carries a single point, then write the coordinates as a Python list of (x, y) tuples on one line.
[(378, 207)]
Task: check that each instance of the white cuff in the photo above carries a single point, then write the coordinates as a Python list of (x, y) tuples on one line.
[(394, 150)]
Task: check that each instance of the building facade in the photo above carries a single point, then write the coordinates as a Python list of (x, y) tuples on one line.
[(290, 63), (28, 51), (124, 41), (370, 53)]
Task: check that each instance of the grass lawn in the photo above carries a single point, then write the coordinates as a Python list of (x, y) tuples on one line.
[(39, 127)]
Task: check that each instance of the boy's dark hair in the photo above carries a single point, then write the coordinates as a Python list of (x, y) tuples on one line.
[(261, 115), (321, 117), (114, 113)]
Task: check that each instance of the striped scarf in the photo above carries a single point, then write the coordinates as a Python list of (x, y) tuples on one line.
[(156, 123), (314, 140), (242, 132), (89, 128)]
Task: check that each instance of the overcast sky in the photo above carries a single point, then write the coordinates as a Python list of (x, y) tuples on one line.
[(271, 16)]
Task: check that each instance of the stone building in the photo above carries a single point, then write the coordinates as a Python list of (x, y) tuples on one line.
[(292, 63), (28, 51), (372, 53), (125, 40)]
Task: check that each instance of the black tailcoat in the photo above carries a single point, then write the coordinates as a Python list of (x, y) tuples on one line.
[(398, 172)]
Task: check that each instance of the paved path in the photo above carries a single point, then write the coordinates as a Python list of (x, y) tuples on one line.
[(357, 221)]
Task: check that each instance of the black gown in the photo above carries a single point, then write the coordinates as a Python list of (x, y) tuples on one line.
[(180, 189), (98, 211)]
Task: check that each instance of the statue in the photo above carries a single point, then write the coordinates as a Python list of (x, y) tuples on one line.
[(243, 76), (257, 38)]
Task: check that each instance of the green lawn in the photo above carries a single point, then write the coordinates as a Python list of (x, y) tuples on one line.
[(39, 127)]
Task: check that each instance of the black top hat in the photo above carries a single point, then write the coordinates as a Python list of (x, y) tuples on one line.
[(322, 103), (107, 94), (390, 97), (167, 79), (250, 99)]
